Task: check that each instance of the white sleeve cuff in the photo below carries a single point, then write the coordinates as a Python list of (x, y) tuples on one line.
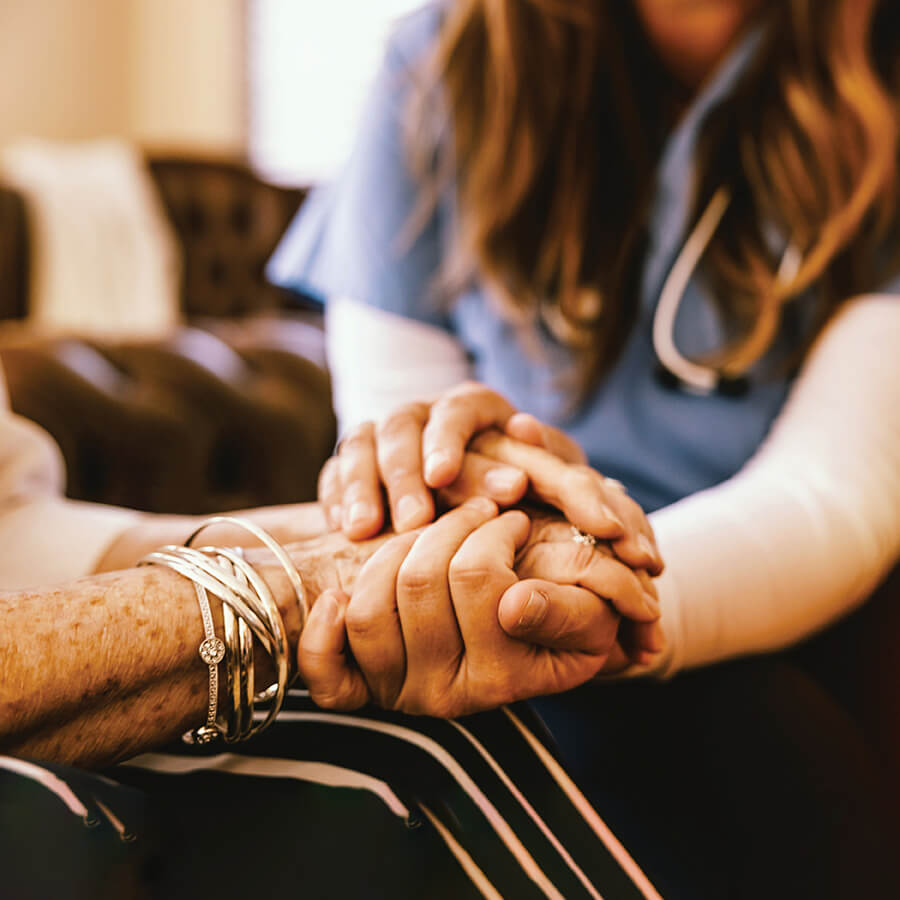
[(50, 540)]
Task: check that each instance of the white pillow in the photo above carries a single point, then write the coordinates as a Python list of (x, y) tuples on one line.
[(104, 261)]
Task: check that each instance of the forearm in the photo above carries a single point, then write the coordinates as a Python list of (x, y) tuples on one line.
[(107, 666), (811, 524), (287, 524)]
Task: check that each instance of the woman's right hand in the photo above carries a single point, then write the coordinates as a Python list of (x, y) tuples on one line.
[(421, 449), (440, 621)]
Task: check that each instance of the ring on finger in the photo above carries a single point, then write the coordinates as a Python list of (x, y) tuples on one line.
[(581, 537)]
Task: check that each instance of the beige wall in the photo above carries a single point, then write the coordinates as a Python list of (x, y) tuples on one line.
[(168, 73), (188, 74), (63, 68)]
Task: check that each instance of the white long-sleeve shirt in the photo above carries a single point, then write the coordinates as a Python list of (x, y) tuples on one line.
[(45, 538), (794, 540)]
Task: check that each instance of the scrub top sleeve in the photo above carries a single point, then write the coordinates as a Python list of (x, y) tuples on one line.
[(350, 237)]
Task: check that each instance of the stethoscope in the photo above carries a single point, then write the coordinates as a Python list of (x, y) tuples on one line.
[(675, 370)]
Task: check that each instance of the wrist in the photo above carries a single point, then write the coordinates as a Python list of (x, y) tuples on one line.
[(329, 562)]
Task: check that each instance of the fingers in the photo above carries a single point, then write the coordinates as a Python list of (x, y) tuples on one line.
[(431, 635), (454, 419), (373, 622), (638, 546), (577, 491), (483, 477), (362, 509), (642, 642), (322, 657), (479, 573), (597, 505), (399, 454), (559, 617), (567, 562), (330, 493), (525, 427)]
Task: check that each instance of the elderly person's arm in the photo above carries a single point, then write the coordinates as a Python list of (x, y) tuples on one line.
[(103, 667)]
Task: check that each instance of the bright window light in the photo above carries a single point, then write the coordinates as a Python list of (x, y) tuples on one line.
[(311, 65)]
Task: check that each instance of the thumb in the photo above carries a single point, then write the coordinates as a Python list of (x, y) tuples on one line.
[(559, 617)]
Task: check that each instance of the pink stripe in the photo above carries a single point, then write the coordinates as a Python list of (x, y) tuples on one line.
[(465, 781), (532, 812), (621, 855)]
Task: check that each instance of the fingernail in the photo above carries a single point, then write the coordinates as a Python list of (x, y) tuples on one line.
[(435, 461), (652, 604), (409, 511), (503, 480), (482, 505), (613, 517), (647, 547), (330, 608), (535, 610), (646, 657), (360, 512)]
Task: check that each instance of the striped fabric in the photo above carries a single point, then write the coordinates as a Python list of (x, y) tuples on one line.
[(369, 804)]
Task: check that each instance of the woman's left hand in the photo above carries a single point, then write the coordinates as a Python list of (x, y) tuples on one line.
[(427, 618)]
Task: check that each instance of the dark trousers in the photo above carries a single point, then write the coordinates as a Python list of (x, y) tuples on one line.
[(743, 780)]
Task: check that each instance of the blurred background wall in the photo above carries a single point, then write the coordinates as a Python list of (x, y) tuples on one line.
[(168, 73), (278, 82)]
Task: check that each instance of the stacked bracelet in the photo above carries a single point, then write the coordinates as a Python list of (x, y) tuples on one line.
[(249, 611)]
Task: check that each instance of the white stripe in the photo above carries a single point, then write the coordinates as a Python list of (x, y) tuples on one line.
[(115, 821), (590, 814), (272, 767), (48, 779), (470, 867), (532, 812), (432, 747)]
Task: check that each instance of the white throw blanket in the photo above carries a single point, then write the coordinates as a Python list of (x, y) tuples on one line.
[(104, 261)]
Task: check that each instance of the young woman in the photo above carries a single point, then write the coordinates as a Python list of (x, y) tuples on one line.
[(670, 228)]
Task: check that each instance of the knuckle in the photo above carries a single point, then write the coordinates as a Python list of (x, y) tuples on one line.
[(396, 461), (358, 438), (358, 487), (362, 621), (582, 556), (416, 580), (407, 418), (469, 387), (471, 570)]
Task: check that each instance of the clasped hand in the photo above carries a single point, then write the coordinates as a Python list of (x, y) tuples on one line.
[(478, 609)]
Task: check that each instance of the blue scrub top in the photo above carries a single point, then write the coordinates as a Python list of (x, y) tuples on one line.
[(662, 443)]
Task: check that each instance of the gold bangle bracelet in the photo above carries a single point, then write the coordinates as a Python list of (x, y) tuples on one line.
[(249, 610)]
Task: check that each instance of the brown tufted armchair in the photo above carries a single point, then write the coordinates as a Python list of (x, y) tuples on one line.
[(232, 410)]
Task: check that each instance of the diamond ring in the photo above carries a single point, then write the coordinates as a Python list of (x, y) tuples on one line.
[(581, 537)]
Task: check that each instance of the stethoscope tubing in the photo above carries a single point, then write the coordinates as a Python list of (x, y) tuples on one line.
[(688, 375)]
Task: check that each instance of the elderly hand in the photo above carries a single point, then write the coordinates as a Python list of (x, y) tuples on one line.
[(441, 623), (421, 448)]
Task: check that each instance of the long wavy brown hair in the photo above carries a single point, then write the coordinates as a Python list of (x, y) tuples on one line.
[(558, 111)]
